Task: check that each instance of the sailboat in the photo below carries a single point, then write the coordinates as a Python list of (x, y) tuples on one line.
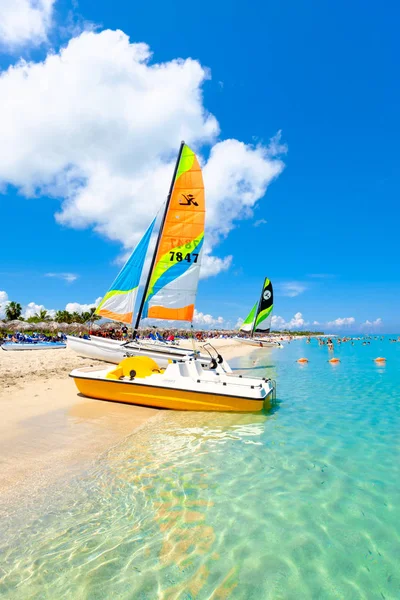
[(259, 319), (188, 382), (171, 285)]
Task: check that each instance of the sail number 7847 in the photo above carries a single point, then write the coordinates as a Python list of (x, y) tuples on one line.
[(179, 257)]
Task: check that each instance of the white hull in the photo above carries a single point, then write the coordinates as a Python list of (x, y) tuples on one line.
[(18, 346), (183, 385), (113, 351), (260, 343)]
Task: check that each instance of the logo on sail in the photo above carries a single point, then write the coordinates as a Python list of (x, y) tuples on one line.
[(267, 295), (190, 201)]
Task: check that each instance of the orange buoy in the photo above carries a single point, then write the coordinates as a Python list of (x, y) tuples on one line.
[(334, 360), (380, 359), (302, 360)]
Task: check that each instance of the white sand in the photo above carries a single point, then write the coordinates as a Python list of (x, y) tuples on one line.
[(47, 430)]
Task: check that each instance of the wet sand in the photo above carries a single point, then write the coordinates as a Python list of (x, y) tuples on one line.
[(48, 430)]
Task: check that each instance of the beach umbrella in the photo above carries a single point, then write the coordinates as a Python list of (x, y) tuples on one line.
[(63, 326), (95, 327), (53, 326), (109, 325), (2, 325), (14, 325), (27, 326), (41, 326), (79, 327)]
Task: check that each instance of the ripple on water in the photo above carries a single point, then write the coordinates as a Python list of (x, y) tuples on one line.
[(302, 502)]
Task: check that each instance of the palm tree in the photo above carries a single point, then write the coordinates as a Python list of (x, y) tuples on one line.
[(90, 316), (13, 311), (42, 315), (63, 316)]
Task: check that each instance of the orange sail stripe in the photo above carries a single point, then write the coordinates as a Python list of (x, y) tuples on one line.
[(183, 224), (124, 318), (174, 314)]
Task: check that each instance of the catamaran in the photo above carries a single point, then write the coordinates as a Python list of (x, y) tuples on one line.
[(189, 381), (259, 319), (171, 286)]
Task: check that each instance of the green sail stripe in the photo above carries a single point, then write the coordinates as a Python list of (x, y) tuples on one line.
[(186, 161), (113, 293), (165, 263), (263, 315), (250, 317)]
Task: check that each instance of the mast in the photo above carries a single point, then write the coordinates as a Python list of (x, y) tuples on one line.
[(146, 287), (258, 309)]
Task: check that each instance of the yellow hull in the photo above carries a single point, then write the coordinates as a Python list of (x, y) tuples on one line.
[(158, 397)]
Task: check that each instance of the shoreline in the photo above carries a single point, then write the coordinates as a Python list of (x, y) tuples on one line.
[(48, 431)]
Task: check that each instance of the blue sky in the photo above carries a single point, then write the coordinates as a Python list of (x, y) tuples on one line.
[(325, 231)]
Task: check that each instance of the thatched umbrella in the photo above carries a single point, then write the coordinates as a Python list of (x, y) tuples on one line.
[(53, 326), (3, 325), (109, 325), (41, 326), (95, 327), (27, 326), (78, 327), (63, 326), (14, 325)]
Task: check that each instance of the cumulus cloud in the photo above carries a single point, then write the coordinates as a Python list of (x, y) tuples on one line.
[(296, 322), (340, 322), (81, 308), (212, 265), (201, 319), (372, 324), (4, 301), (68, 277), (98, 125), (24, 21), (32, 309), (290, 288)]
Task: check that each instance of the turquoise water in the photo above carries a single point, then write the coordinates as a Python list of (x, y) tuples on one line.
[(301, 502)]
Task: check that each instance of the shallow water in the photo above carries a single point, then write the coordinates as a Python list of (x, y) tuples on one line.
[(300, 502)]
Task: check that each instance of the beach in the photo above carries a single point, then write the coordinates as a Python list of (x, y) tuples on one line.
[(114, 506), (48, 431)]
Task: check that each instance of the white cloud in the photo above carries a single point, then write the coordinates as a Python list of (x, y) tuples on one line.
[(341, 321), (372, 324), (201, 319), (239, 323), (68, 277), (32, 309), (260, 222), (212, 265), (4, 301), (296, 322), (290, 288), (98, 125), (24, 21), (81, 308)]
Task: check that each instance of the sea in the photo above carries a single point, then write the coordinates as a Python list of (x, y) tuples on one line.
[(300, 502)]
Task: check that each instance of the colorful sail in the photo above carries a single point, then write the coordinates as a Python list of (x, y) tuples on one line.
[(119, 301), (173, 282), (248, 323), (264, 313)]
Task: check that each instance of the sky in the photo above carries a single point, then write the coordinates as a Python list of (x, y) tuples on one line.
[(292, 108)]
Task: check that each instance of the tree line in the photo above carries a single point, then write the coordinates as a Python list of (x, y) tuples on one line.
[(13, 312)]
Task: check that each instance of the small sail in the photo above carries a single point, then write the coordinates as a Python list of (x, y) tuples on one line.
[(264, 314), (248, 323), (119, 301), (173, 282)]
